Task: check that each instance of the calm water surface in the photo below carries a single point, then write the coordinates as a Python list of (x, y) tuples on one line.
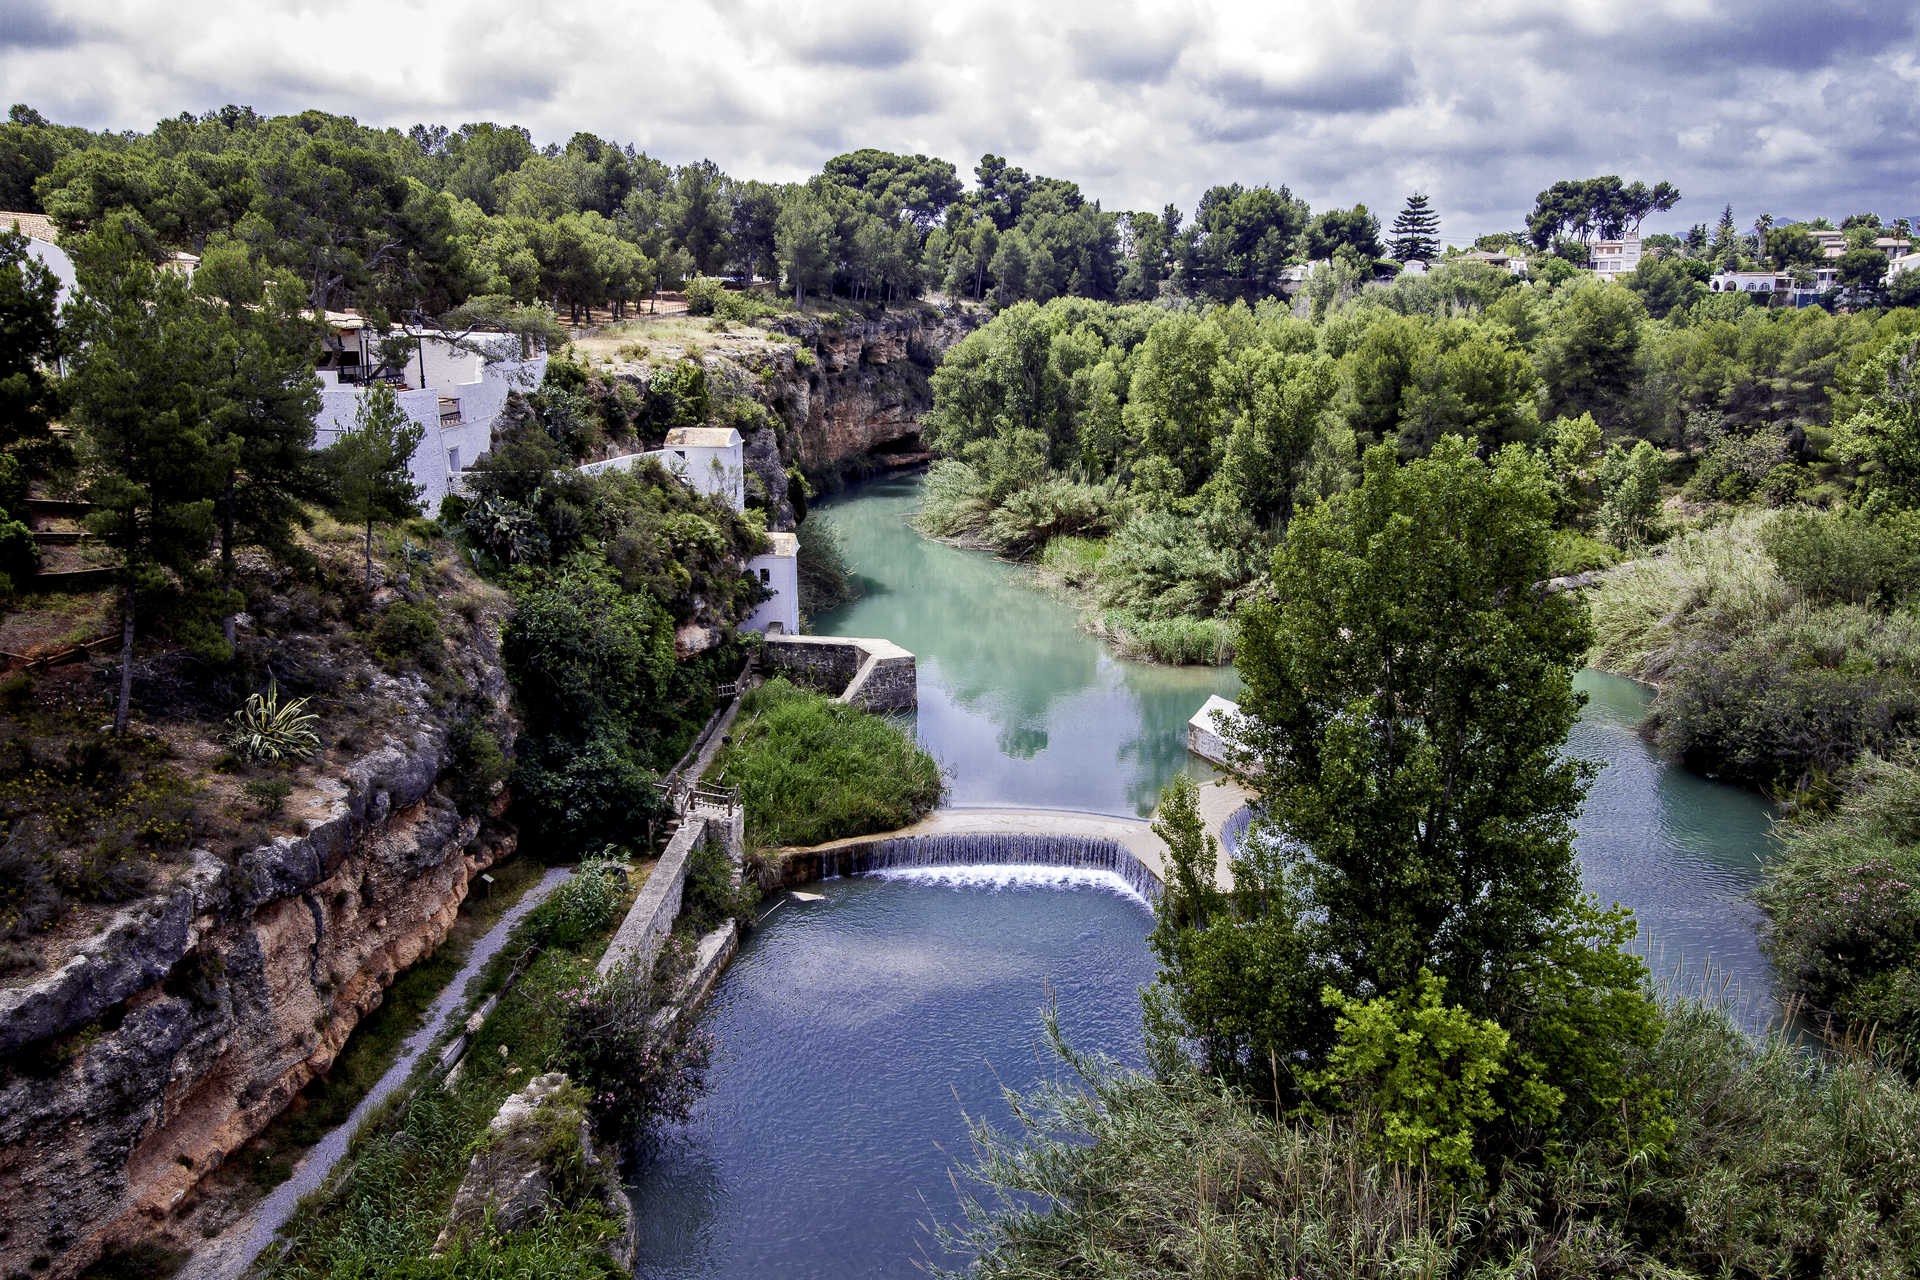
[(856, 1034), (856, 1031)]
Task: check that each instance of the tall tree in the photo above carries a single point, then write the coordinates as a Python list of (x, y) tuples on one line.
[(1408, 693), (142, 391), (1414, 231), (804, 242), (371, 465), (261, 421)]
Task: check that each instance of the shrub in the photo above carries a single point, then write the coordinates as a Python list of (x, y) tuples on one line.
[(1575, 552), (1844, 558), (953, 502), (1421, 1072), (811, 769), (265, 730), (713, 896), (1160, 565), (1029, 518), (269, 795), (407, 632), (677, 396), (1790, 702), (1190, 642), (582, 906), (1843, 902), (475, 764), (703, 295), (636, 1073), (1712, 582)]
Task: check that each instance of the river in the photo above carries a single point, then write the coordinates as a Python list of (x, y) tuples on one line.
[(858, 1031)]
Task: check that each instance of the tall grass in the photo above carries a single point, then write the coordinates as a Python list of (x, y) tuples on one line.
[(1178, 641), (810, 769), (1713, 582), (953, 502)]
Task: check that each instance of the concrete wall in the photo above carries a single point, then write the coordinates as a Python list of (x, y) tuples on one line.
[(715, 471), (1210, 733)]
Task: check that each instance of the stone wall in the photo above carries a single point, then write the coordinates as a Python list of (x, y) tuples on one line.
[(875, 674)]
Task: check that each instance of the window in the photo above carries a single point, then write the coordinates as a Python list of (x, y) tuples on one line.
[(453, 459), (766, 576)]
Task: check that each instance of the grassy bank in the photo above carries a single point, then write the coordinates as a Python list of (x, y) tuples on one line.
[(810, 769)]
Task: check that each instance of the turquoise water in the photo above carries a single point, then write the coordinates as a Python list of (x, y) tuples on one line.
[(1019, 704), (1023, 707)]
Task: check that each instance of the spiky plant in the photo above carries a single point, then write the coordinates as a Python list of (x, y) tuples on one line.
[(264, 731)]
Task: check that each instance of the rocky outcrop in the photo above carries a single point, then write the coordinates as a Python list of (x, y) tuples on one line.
[(189, 1022), (539, 1153)]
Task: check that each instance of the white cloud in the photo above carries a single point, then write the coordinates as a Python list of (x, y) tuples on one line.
[(1795, 107)]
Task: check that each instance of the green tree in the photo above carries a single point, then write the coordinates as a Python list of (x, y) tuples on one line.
[(261, 421), (1791, 246), (140, 389), (804, 242), (1407, 695), (1337, 229), (1630, 493), (699, 214), (1415, 231), (1882, 437), (29, 344), (371, 465)]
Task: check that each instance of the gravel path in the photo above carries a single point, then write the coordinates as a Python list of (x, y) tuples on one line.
[(229, 1254)]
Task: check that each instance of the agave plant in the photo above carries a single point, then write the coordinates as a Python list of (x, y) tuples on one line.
[(264, 730)]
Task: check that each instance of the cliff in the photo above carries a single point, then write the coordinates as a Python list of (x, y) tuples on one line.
[(150, 1048)]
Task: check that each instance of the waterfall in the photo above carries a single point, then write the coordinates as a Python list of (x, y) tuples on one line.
[(902, 852)]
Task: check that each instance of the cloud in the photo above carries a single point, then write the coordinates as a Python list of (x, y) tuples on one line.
[(1791, 106)]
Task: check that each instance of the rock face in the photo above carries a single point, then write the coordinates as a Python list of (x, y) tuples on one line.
[(132, 1071)]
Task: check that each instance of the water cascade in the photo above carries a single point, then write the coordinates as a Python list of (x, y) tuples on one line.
[(904, 852)]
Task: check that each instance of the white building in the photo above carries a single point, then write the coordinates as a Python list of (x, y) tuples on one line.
[(709, 459), (779, 572), (453, 390), (38, 229), (1514, 264), (1615, 258), (1905, 262)]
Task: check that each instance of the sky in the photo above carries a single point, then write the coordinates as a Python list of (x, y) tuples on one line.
[(1792, 107)]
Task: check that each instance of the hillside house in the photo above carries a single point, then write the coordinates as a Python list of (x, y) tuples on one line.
[(40, 234), (454, 390), (1511, 263), (1615, 258)]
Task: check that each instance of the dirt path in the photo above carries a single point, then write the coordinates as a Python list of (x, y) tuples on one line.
[(228, 1255)]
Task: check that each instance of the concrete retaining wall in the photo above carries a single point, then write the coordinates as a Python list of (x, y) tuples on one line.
[(876, 674)]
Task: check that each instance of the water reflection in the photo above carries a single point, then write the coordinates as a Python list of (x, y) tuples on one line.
[(1016, 701)]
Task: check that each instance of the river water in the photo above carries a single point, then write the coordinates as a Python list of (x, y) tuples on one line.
[(858, 1031)]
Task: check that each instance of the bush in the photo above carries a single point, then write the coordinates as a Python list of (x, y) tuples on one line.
[(677, 396), (1789, 703), (1190, 642), (1843, 902), (582, 906), (269, 795), (407, 632), (953, 502), (713, 896), (811, 769), (266, 731), (1845, 558), (1030, 518), (825, 580), (475, 764), (635, 1073), (1575, 552), (1160, 565)]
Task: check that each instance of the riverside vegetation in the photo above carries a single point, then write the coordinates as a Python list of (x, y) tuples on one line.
[(1450, 1065)]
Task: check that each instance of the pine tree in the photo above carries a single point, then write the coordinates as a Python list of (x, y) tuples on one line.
[(1413, 231), (371, 465), (143, 389)]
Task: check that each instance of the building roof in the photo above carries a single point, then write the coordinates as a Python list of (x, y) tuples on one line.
[(786, 545), (34, 226), (703, 438)]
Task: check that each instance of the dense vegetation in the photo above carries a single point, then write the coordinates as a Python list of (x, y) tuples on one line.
[(1166, 451), (810, 769), (1417, 1049)]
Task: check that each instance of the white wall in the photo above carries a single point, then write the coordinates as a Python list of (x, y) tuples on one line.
[(781, 574), (715, 471)]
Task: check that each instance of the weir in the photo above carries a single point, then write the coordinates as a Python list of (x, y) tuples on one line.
[(892, 853)]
